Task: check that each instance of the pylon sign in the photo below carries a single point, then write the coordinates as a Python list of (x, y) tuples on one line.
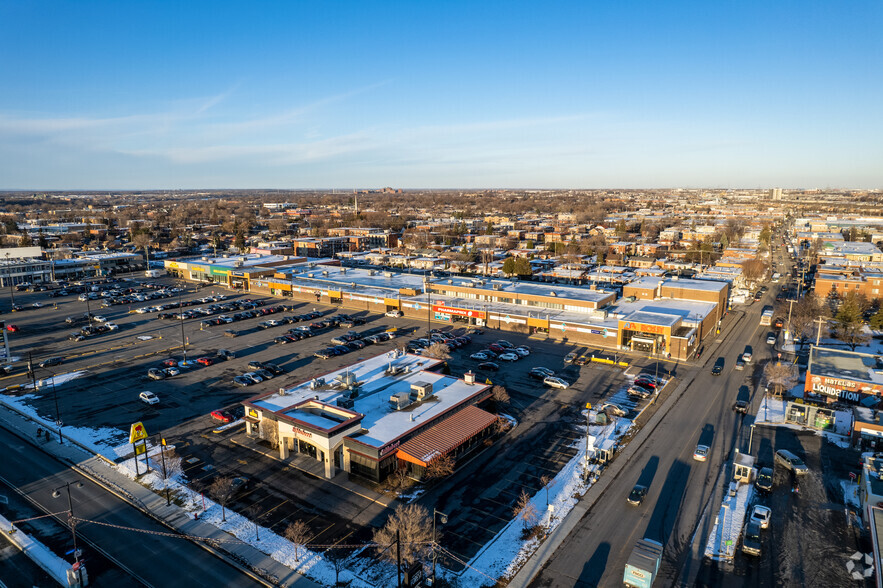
[(137, 432)]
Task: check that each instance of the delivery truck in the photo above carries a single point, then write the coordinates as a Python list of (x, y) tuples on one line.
[(643, 564)]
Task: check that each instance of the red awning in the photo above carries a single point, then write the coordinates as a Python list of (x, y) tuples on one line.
[(446, 436)]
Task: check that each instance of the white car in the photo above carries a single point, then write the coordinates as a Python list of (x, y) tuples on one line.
[(522, 351), (746, 357), (394, 313), (112, 326), (761, 515), (554, 382), (100, 319), (149, 397), (479, 356), (701, 453), (509, 357), (143, 310), (613, 409), (225, 318)]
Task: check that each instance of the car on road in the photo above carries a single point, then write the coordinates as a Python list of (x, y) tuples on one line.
[(554, 382), (791, 462), (100, 319), (222, 415), (489, 366), (230, 333), (225, 354), (718, 366), (746, 356), (761, 515), (148, 397), (12, 328), (751, 539), (764, 481), (111, 326), (771, 339), (741, 406), (49, 362), (740, 364), (206, 361), (701, 453), (637, 495)]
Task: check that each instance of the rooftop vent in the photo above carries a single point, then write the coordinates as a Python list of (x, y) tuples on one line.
[(385, 274), (371, 272), (317, 383), (324, 272), (399, 401), (345, 402), (498, 286)]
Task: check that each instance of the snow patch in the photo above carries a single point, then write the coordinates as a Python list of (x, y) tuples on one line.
[(851, 494), (727, 528)]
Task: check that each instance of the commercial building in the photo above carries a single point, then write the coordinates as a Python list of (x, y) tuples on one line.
[(361, 418), (237, 271), (837, 375)]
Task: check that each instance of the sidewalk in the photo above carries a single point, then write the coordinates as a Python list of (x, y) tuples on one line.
[(241, 555)]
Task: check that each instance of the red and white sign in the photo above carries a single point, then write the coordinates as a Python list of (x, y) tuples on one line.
[(458, 311)]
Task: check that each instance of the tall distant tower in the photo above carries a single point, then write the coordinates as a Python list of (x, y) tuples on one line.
[(356, 203), (776, 194)]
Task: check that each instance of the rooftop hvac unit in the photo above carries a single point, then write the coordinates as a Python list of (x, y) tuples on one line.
[(281, 391), (385, 274), (237, 263), (371, 272), (498, 286), (324, 272), (347, 380), (310, 275), (399, 401), (421, 390), (345, 402), (205, 257), (343, 270), (317, 383)]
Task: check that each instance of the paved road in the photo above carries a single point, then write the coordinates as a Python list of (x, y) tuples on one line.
[(681, 489), (182, 563)]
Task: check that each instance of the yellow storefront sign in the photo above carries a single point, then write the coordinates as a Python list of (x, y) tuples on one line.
[(137, 432)]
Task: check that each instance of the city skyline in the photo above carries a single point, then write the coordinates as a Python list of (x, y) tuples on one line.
[(109, 96)]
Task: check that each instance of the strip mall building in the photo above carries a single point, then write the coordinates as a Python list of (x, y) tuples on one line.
[(375, 416)]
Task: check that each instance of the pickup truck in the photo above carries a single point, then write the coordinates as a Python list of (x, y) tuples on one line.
[(643, 564)]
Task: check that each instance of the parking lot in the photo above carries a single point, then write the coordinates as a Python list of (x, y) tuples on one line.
[(117, 362), (809, 538)]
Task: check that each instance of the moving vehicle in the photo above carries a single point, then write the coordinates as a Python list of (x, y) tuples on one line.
[(761, 515), (747, 354), (51, 362), (718, 366), (764, 481), (791, 462), (554, 382), (636, 496), (741, 406), (766, 317), (740, 364), (771, 338), (643, 564), (701, 453), (149, 397), (751, 539), (226, 354)]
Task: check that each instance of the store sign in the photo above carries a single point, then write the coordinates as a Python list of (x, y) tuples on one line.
[(253, 413), (508, 319), (458, 311), (389, 448), (641, 327), (842, 390), (602, 332), (301, 432)]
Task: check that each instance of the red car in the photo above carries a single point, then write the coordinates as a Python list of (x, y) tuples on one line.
[(222, 415), (205, 361), (496, 348), (170, 362), (12, 328)]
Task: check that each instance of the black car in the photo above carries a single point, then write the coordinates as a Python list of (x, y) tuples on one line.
[(741, 406), (51, 361), (489, 366), (255, 365), (718, 367), (282, 340), (540, 373), (341, 349), (764, 481), (325, 353), (636, 496), (273, 369)]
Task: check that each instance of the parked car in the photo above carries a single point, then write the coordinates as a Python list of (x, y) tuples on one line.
[(540, 373), (614, 409), (206, 361), (509, 357), (171, 371), (570, 357), (761, 515), (639, 392), (242, 381), (156, 374), (230, 333), (394, 313), (555, 382), (791, 462), (480, 356), (222, 415), (225, 354), (149, 397), (12, 328), (637, 495), (489, 366), (701, 453)]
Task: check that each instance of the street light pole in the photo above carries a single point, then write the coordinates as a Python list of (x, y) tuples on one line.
[(72, 522), (751, 438), (444, 520)]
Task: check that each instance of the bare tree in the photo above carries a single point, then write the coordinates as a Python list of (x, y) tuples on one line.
[(438, 351), (804, 314), (414, 525), (525, 510), (299, 534), (222, 492), (783, 376), (440, 467), (171, 469), (545, 481), (337, 558), (500, 395), (753, 269)]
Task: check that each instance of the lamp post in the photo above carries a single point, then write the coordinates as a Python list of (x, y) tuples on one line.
[(72, 523), (443, 518), (750, 439)]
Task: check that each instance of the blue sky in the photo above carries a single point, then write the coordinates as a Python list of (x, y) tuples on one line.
[(129, 95)]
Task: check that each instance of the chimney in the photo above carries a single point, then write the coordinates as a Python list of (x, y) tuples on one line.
[(469, 378)]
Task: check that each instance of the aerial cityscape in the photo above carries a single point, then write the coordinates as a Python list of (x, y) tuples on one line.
[(461, 295)]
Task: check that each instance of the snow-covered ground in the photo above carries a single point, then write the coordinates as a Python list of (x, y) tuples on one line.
[(36, 551), (851, 493), (506, 552), (724, 537), (771, 411), (56, 380)]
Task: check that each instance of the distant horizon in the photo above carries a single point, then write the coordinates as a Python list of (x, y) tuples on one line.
[(503, 94), (343, 191)]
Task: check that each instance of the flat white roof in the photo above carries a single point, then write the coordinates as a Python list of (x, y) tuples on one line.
[(381, 423)]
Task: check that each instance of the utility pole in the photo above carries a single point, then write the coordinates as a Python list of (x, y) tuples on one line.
[(444, 519), (820, 321), (72, 523), (399, 558)]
